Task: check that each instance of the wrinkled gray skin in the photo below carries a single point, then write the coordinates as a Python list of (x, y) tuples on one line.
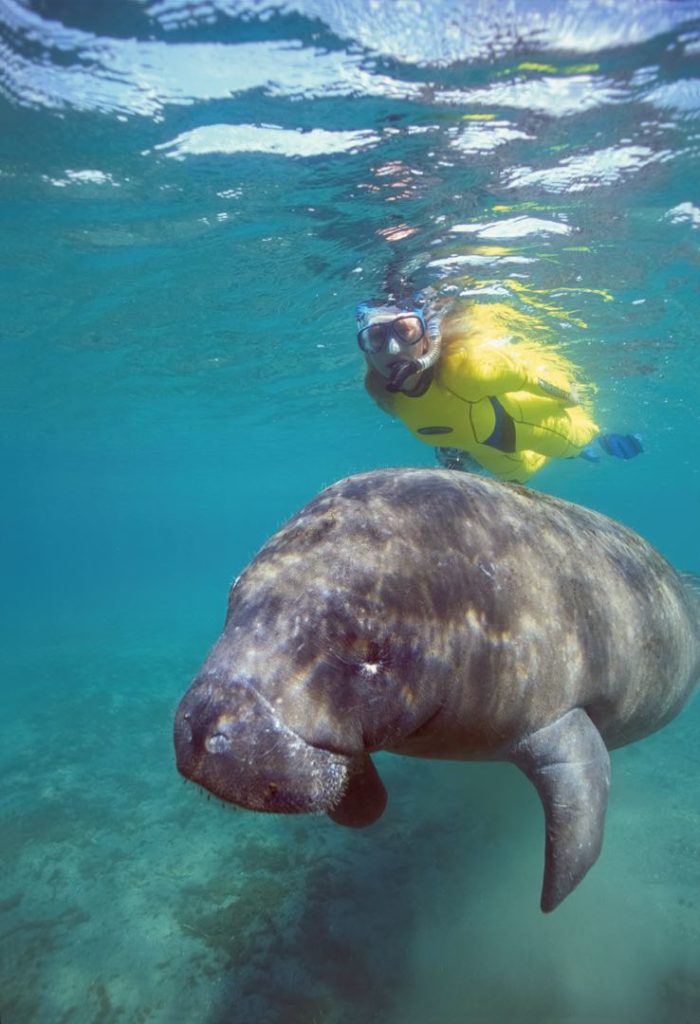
[(443, 615)]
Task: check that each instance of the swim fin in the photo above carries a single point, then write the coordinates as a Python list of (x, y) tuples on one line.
[(621, 446)]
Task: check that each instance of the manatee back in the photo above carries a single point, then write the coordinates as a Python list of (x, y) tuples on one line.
[(497, 604)]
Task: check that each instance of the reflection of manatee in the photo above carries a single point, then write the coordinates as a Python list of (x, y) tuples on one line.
[(439, 614)]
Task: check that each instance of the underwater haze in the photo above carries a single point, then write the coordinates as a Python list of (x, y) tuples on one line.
[(194, 196)]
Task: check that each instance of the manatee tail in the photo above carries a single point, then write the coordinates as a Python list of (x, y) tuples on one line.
[(569, 765)]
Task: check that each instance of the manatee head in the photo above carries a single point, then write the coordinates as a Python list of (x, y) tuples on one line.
[(336, 644), (230, 740)]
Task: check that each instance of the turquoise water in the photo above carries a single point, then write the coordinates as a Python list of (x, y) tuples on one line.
[(194, 196)]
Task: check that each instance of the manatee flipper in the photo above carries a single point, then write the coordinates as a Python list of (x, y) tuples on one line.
[(569, 765), (365, 797)]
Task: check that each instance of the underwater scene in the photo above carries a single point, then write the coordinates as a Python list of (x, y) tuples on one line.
[(194, 198)]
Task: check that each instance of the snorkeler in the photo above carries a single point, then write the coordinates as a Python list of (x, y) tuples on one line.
[(468, 382)]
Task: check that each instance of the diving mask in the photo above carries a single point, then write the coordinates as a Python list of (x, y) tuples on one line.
[(407, 329)]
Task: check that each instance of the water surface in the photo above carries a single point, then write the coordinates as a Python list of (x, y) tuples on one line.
[(193, 198)]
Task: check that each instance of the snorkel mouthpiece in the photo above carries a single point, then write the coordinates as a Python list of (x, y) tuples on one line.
[(401, 371)]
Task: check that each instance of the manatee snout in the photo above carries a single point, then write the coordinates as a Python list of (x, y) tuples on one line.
[(230, 740)]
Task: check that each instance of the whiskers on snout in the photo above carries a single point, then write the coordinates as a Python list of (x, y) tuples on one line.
[(204, 794)]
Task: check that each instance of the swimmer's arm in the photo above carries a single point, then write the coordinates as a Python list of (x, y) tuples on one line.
[(497, 371)]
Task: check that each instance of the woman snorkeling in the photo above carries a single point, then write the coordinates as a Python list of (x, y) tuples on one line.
[(471, 382)]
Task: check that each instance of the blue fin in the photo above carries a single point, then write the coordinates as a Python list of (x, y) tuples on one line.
[(621, 446)]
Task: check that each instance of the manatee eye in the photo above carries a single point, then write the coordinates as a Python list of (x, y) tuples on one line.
[(376, 660), (370, 668)]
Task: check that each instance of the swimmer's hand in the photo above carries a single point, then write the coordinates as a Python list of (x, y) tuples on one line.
[(455, 458), (570, 397)]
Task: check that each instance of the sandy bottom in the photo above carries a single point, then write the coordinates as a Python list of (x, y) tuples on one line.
[(128, 896)]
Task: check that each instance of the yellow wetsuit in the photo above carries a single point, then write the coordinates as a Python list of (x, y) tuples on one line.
[(506, 401)]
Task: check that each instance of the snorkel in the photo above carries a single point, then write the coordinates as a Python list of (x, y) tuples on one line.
[(405, 367)]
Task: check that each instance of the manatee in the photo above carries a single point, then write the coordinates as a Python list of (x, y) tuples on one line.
[(439, 614)]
